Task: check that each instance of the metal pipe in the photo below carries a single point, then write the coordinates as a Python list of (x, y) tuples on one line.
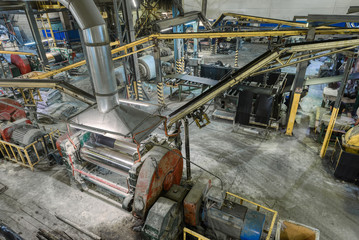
[(107, 157), (98, 51)]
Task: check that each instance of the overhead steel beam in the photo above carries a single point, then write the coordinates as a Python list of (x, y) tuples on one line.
[(179, 20), (332, 18), (259, 19), (353, 9), (50, 83)]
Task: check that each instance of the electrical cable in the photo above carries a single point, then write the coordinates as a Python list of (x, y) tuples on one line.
[(169, 149)]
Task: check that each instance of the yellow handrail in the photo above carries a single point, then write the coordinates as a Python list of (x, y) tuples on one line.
[(189, 231), (23, 151), (275, 213)]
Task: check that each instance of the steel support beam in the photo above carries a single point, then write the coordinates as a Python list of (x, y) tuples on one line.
[(297, 88), (204, 8), (36, 34), (336, 107), (159, 80), (187, 149)]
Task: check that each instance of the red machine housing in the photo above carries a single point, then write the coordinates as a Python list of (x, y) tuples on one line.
[(161, 169), (21, 62), (10, 114)]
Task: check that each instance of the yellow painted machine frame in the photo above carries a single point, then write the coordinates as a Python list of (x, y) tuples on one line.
[(20, 154)]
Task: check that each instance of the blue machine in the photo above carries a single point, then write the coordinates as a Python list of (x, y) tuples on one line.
[(228, 219)]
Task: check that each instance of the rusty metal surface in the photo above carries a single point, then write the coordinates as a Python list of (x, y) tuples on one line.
[(161, 169), (192, 204)]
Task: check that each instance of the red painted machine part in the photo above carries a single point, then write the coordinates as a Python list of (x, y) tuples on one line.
[(21, 62), (160, 170), (10, 114)]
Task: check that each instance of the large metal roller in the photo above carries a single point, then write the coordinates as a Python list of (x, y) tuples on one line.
[(107, 158), (122, 146)]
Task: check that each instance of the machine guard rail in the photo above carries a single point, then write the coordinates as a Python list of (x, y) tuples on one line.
[(21, 155)]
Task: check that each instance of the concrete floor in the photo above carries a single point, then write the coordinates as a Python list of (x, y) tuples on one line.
[(280, 172)]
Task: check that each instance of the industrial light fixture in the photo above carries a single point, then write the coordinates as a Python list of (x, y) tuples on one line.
[(134, 3), (32, 43), (166, 29)]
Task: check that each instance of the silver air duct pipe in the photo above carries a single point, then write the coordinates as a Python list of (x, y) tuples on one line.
[(110, 118), (98, 50)]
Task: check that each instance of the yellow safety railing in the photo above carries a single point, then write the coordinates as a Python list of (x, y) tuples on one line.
[(28, 156), (30, 100), (49, 5), (189, 231), (234, 198)]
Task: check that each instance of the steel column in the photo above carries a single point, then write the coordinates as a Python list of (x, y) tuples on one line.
[(336, 107), (297, 87), (178, 43), (35, 33), (159, 80), (204, 7), (127, 11), (187, 149), (195, 40), (237, 52)]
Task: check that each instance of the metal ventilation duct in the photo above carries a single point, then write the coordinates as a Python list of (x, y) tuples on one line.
[(98, 49), (109, 118)]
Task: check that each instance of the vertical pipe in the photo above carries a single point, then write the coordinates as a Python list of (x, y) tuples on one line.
[(98, 50)]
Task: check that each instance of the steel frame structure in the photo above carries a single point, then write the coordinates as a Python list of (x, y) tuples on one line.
[(282, 56)]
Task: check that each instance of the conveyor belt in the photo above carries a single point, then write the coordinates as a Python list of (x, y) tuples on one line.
[(291, 54), (201, 80)]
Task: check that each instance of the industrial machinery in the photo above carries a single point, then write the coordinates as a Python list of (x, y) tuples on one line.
[(21, 140), (205, 209), (257, 100), (138, 175), (110, 143), (346, 156)]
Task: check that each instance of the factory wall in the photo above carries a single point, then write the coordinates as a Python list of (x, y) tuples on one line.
[(282, 9)]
